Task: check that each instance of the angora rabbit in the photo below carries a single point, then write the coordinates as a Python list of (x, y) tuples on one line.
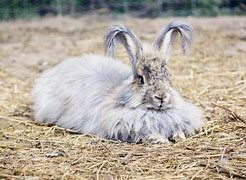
[(99, 95)]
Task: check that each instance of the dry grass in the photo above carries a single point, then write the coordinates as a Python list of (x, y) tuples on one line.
[(213, 76)]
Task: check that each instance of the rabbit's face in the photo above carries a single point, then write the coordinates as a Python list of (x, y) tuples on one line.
[(153, 80)]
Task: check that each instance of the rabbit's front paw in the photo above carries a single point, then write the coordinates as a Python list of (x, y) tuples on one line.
[(178, 136), (156, 138)]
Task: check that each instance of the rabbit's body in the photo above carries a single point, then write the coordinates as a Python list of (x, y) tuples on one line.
[(99, 95)]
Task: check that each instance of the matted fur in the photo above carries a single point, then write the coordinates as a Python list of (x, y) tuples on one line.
[(99, 95)]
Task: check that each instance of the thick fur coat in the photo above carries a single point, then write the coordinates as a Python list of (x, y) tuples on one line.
[(100, 95)]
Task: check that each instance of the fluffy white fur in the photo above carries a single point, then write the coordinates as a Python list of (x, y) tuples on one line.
[(85, 94)]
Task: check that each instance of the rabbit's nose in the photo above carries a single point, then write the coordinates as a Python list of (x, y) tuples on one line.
[(160, 98), (163, 99)]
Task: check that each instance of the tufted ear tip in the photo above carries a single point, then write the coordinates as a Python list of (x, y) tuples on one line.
[(121, 33), (167, 35), (114, 33)]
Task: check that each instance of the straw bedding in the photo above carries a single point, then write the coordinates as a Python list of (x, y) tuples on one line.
[(212, 75)]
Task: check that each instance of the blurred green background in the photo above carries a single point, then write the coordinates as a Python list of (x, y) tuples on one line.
[(16, 9)]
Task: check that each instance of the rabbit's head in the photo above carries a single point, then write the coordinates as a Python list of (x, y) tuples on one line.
[(151, 76)]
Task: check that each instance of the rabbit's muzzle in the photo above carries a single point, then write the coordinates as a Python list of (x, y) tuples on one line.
[(161, 101)]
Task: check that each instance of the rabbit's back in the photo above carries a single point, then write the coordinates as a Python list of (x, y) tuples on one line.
[(64, 94)]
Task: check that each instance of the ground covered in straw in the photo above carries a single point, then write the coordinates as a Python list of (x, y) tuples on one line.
[(212, 75)]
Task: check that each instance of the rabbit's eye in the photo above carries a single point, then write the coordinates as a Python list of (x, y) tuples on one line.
[(140, 79)]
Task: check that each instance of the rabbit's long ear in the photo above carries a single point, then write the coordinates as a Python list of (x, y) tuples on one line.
[(167, 35), (126, 37)]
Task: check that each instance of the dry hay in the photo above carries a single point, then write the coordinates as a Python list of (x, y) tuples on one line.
[(213, 76)]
